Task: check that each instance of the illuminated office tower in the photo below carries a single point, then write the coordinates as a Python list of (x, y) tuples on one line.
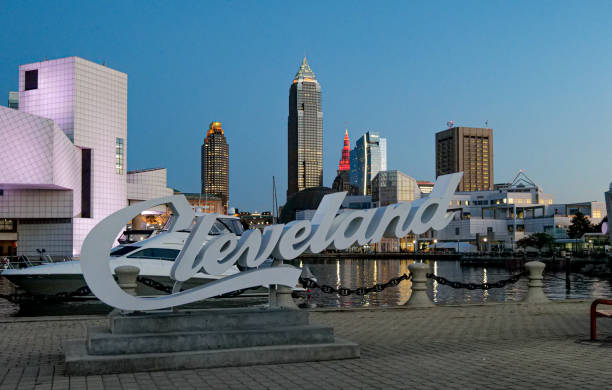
[(305, 132), (215, 164)]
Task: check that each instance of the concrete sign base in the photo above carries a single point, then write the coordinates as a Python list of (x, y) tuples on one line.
[(203, 339)]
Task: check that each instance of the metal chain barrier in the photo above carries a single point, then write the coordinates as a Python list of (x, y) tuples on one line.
[(53, 298), (168, 289), (345, 291), (307, 283), (154, 284), (476, 286)]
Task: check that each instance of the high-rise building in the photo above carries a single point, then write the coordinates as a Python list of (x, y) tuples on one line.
[(215, 164), (13, 100), (468, 150), (368, 157), (305, 132), (345, 161), (342, 182)]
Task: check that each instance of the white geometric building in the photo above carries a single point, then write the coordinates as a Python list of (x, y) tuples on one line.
[(501, 217), (63, 164)]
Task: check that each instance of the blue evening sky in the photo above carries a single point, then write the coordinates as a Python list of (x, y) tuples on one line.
[(540, 72)]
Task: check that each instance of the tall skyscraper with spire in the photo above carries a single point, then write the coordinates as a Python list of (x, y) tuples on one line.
[(215, 164), (342, 182), (345, 161), (305, 132)]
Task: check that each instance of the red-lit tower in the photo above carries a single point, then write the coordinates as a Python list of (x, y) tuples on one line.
[(345, 161)]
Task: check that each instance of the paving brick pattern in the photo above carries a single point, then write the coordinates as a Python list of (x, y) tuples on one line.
[(497, 346)]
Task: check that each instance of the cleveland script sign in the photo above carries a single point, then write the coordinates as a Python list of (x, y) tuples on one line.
[(328, 229)]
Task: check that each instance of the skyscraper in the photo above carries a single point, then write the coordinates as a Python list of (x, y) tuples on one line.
[(342, 182), (305, 132), (215, 164), (368, 157), (468, 150), (345, 161)]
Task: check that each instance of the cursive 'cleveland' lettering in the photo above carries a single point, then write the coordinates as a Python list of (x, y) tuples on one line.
[(329, 228)]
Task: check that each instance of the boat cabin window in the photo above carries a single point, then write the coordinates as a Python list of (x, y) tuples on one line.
[(226, 225), (222, 226), (123, 250), (156, 253), (235, 226)]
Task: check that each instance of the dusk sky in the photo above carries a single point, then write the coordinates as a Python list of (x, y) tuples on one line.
[(539, 72)]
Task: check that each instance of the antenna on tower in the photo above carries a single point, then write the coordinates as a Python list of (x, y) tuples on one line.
[(486, 124)]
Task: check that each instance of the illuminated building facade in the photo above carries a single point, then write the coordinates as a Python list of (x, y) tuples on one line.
[(305, 132), (468, 150), (204, 203), (215, 164), (368, 157), (345, 161), (342, 182)]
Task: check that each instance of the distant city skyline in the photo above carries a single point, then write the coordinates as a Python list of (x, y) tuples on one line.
[(539, 73)]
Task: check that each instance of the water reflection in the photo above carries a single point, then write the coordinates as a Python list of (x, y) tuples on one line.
[(355, 273)]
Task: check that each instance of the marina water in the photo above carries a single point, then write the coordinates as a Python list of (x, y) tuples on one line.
[(353, 273)]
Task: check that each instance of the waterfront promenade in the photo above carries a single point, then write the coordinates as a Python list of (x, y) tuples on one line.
[(497, 346)]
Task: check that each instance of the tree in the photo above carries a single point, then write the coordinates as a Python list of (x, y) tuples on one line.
[(543, 240), (536, 240), (580, 224), (525, 242)]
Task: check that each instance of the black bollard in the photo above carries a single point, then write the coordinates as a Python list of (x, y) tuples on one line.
[(567, 273)]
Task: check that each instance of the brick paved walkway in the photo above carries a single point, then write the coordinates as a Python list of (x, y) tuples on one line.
[(497, 346)]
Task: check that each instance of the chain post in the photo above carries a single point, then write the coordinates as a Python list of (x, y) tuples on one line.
[(535, 294)]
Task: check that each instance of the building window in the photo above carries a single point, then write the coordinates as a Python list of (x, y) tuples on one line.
[(119, 156), (31, 79), (456, 231), (86, 183), (7, 225)]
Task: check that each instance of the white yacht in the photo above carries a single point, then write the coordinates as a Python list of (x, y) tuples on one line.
[(154, 256)]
